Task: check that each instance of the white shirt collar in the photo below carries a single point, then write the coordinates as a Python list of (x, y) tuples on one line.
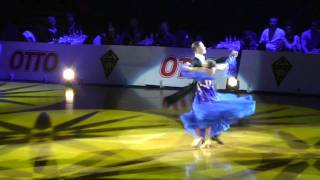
[(200, 57)]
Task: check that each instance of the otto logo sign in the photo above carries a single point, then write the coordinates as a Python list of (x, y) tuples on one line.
[(170, 66), (34, 61)]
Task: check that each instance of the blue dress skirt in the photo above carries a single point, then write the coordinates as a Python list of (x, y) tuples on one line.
[(213, 109)]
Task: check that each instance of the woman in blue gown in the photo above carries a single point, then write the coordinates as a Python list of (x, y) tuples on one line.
[(211, 112)]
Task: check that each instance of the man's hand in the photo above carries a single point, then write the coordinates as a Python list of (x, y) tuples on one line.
[(211, 71)]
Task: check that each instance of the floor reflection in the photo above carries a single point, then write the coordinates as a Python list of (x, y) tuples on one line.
[(92, 132)]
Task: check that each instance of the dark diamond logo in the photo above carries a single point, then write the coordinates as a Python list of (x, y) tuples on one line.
[(109, 61), (281, 68)]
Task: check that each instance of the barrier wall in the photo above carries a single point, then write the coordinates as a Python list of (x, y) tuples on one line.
[(283, 72), (121, 65), (138, 65)]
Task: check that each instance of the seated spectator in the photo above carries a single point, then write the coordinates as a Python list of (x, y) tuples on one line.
[(310, 39), (52, 32), (110, 36), (28, 30), (165, 37), (73, 28), (249, 40), (272, 36), (133, 34), (29, 36), (291, 39)]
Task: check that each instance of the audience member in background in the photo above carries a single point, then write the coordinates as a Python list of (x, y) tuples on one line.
[(110, 36), (272, 36), (165, 37), (291, 39), (28, 31), (73, 28), (133, 34), (52, 32), (113, 37), (310, 39), (249, 40)]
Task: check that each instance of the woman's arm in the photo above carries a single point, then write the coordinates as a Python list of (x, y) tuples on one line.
[(210, 71), (221, 66)]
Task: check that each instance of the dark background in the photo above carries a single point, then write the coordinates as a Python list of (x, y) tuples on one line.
[(212, 18)]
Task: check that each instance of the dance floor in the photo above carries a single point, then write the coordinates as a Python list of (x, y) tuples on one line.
[(126, 133)]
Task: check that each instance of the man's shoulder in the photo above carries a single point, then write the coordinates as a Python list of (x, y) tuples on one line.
[(195, 62), (195, 59), (280, 31), (266, 30)]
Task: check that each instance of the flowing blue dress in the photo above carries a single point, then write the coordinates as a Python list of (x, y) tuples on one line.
[(213, 109)]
